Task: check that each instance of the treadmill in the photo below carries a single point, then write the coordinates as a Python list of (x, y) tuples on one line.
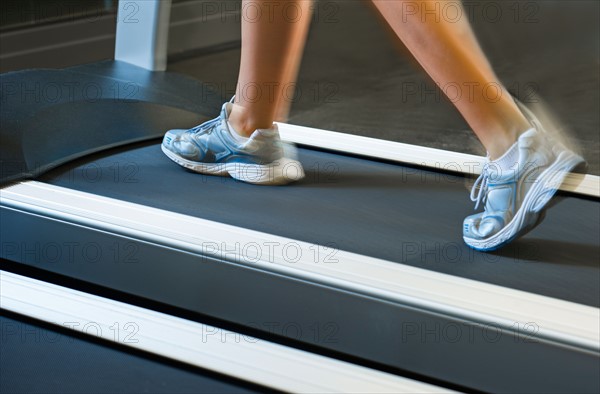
[(355, 279)]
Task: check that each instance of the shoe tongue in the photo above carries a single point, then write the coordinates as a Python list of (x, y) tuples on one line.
[(528, 132), (226, 110)]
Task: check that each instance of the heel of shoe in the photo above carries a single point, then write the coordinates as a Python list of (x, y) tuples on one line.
[(280, 172), (550, 181)]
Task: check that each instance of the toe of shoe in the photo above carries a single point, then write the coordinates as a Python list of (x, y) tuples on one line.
[(482, 226), (173, 134), (470, 224), (171, 138)]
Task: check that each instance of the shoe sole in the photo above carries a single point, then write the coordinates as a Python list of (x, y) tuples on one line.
[(279, 172), (534, 203)]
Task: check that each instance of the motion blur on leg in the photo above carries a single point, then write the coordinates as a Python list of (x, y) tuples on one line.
[(526, 164)]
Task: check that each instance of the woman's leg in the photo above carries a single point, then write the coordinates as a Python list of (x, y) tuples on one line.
[(447, 49), (273, 37), (293, 65), (526, 166)]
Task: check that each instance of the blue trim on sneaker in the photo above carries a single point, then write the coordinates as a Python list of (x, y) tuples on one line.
[(211, 148)]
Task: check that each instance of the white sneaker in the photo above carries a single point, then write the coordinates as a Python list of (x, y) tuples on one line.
[(516, 194), (212, 148)]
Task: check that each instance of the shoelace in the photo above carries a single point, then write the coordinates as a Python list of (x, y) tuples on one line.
[(209, 124), (204, 126), (481, 186)]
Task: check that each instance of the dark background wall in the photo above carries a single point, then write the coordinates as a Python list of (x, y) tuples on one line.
[(356, 77)]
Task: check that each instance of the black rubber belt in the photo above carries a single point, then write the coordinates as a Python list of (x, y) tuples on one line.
[(400, 214)]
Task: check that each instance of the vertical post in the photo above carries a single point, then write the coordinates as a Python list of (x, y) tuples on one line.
[(142, 33)]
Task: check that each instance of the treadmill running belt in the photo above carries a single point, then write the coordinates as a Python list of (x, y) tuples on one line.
[(401, 214)]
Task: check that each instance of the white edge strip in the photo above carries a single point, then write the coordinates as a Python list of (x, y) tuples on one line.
[(437, 159), (558, 320), (226, 352)]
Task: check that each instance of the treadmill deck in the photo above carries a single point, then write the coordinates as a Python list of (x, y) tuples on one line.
[(400, 214)]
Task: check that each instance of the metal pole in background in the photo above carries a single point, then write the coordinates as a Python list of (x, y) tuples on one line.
[(142, 33)]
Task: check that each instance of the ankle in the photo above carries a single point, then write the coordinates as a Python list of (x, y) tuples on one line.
[(244, 123), (501, 145), (505, 128), (504, 138)]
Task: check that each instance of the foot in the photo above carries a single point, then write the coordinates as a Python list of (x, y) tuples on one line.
[(516, 188), (215, 148)]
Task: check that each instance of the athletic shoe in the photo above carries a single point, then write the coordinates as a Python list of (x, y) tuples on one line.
[(516, 188), (214, 148)]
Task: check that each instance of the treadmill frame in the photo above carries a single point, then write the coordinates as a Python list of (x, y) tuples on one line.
[(563, 357)]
